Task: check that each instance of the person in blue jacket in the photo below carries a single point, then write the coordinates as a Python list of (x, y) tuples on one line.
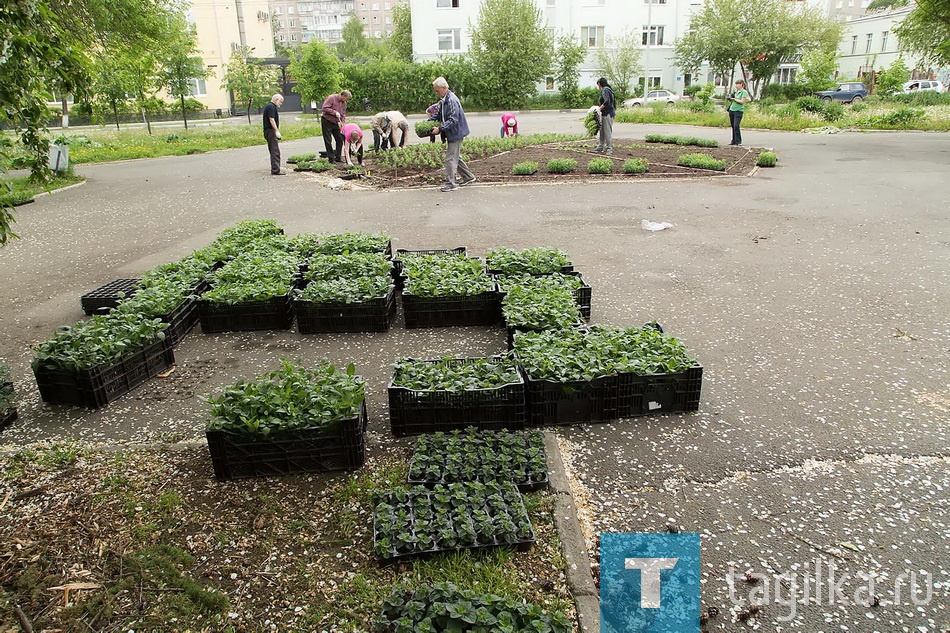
[(452, 123)]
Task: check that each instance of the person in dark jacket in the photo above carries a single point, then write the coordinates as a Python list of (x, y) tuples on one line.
[(272, 133), (452, 122), (332, 119), (608, 108)]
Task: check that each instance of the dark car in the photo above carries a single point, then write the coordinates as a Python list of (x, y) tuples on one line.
[(850, 92)]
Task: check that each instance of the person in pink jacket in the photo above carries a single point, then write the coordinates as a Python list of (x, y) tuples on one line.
[(509, 124), (353, 143)]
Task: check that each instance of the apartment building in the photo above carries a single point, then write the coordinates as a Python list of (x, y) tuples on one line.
[(376, 16), (222, 26), (316, 20)]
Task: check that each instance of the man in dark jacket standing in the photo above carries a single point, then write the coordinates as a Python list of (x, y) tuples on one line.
[(334, 116), (608, 108), (452, 123), (272, 133)]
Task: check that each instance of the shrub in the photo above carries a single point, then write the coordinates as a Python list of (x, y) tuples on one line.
[(588, 95), (796, 90), (636, 166), (561, 165), (860, 106), (691, 90), (660, 138), (789, 111), (923, 98), (598, 166), (767, 159), (301, 158), (774, 92), (809, 104), (313, 165), (424, 128), (526, 168), (701, 161), (698, 106), (695, 140), (833, 111), (900, 118)]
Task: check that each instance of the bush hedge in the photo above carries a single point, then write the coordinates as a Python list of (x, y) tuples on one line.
[(636, 166), (600, 166), (701, 161), (561, 165)]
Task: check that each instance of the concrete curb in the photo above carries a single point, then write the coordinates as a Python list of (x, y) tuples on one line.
[(573, 543)]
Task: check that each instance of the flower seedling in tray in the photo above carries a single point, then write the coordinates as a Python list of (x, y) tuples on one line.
[(444, 275), (533, 261), (483, 456), (417, 520), (540, 306), (455, 375)]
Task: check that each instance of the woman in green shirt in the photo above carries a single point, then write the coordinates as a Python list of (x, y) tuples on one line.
[(737, 100)]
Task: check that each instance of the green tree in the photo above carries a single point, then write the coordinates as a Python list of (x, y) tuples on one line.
[(568, 57), (181, 66), (250, 82), (112, 84), (891, 81), (925, 32), (400, 42), (818, 67), (511, 49), (620, 62), (354, 44), (317, 71)]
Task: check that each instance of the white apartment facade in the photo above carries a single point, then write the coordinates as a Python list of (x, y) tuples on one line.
[(222, 26), (322, 19)]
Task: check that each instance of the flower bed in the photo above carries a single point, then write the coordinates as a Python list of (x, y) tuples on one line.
[(605, 373), (101, 359), (442, 291), (443, 607), (290, 420), (417, 521), (446, 394), (472, 455)]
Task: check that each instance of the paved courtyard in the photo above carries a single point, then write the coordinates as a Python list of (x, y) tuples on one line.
[(816, 295)]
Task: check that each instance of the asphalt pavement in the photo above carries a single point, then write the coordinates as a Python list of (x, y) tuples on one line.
[(814, 294)]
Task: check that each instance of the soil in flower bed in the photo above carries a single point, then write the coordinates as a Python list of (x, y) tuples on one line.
[(740, 161)]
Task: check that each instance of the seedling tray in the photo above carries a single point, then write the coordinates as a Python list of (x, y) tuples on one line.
[(659, 393), (339, 446), (398, 278), (96, 387), (442, 459), (479, 309), (185, 317), (8, 418), (414, 411), (106, 297), (572, 402), (566, 269), (582, 295), (514, 329), (421, 500), (375, 315), (271, 314)]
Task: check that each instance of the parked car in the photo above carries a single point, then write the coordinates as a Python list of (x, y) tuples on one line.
[(851, 92), (653, 96), (923, 85)]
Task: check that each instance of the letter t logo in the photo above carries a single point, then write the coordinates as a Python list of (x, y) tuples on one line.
[(650, 569)]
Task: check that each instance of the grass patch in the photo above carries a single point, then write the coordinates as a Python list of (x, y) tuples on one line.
[(599, 166), (636, 166), (25, 188), (526, 168), (561, 165), (701, 161), (766, 159)]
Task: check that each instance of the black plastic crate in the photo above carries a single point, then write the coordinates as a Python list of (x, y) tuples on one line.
[(660, 393), (569, 268), (573, 402), (480, 309), (582, 295), (100, 385), (185, 317), (398, 277), (375, 315), (414, 411), (106, 297), (340, 446), (7, 418), (270, 314)]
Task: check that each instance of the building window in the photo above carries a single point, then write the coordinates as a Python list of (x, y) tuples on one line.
[(867, 47), (290, 10), (883, 41), (293, 37), (197, 87), (375, 6), (551, 3), (375, 19), (447, 4), (653, 35), (293, 23), (655, 81), (854, 44), (839, 4), (389, 19), (283, 38), (785, 75), (549, 83), (280, 24), (278, 10), (450, 39), (377, 34), (593, 35), (387, 6)]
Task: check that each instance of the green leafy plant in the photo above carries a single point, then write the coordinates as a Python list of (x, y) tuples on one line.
[(701, 161), (415, 610), (540, 306), (291, 397), (346, 290), (455, 375), (561, 165), (527, 168), (600, 166), (535, 261), (767, 159), (232, 241), (255, 275), (317, 166), (441, 275), (636, 166), (424, 128), (301, 158), (96, 341), (660, 138), (15, 198), (591, 124), (350, 243), (473, 455)]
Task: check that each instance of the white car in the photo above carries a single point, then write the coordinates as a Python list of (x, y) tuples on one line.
[(654, 96), (923, 85)]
